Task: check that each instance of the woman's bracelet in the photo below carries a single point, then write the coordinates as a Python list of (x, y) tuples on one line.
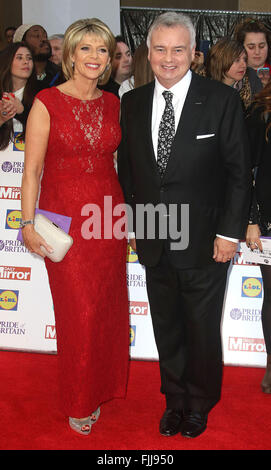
[(26, 222)]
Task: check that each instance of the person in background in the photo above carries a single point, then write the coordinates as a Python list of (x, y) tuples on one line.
[(18, 86), (9, 33), (257, 41), (259, 127), (56, 42), (121, 66), (141, 70), (226, 62), (35, 36), (72, 132), (197, 64)]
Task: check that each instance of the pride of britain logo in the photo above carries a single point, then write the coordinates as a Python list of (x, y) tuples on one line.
[(246, 314), (236, 314), (12, 246), (12, 167)]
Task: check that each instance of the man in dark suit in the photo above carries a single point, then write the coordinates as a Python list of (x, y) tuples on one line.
[(184, 152)]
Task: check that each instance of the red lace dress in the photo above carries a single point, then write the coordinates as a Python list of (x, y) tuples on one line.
[(88, 287)]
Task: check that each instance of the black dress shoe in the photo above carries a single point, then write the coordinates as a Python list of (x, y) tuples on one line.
[(170, 423), (194, 424)]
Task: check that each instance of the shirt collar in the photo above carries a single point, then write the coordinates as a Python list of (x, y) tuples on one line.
[(179, 89)]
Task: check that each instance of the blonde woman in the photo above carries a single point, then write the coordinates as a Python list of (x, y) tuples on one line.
[(72, 132)]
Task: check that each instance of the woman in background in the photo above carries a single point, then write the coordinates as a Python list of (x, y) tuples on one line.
[(259, 127), (257, 41), (141, 70), (18, 86), (227, 62)]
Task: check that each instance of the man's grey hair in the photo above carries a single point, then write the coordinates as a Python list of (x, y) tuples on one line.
[(56, 36), (170, 19)]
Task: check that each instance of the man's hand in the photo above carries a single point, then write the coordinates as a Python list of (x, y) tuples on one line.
[(224, 250)]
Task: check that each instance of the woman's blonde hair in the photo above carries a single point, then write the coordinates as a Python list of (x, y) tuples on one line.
[(73, 36)]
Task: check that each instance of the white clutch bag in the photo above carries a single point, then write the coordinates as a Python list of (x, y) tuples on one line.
[(59, 240)]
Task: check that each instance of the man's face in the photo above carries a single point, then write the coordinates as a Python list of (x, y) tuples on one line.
[(9, 35), (170, 54), (122, 61), (56, 45), (36, 38)]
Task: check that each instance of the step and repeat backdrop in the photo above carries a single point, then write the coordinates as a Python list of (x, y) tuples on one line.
[(26, 309)]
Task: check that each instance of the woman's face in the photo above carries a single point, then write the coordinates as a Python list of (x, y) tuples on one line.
[(90, 57), (237, 70), (22, 64), (257, 49)]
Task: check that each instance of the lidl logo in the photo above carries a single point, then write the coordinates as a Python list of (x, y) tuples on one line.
[(9, 299), (132, 335), (18, 144), (252, 287), (131, 255), (13, 219)]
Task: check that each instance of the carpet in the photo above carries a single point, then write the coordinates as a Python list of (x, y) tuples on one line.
[(30, 419)]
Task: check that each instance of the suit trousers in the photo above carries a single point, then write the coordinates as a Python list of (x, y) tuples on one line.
[(186, 308)]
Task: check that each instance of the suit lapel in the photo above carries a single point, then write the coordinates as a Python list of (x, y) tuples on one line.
[(192, 109), (145, 112), (191, 114)]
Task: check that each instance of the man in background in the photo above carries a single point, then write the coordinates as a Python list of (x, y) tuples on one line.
[(35, 36), (56, 42), (9, 33), (121, 66)]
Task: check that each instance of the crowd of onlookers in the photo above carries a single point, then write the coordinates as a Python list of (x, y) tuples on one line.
[(241, 61)]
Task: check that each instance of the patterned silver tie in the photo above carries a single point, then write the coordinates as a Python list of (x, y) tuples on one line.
[(166, 133)]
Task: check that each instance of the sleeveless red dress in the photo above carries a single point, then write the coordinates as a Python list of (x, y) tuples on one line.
[(88, 287)]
